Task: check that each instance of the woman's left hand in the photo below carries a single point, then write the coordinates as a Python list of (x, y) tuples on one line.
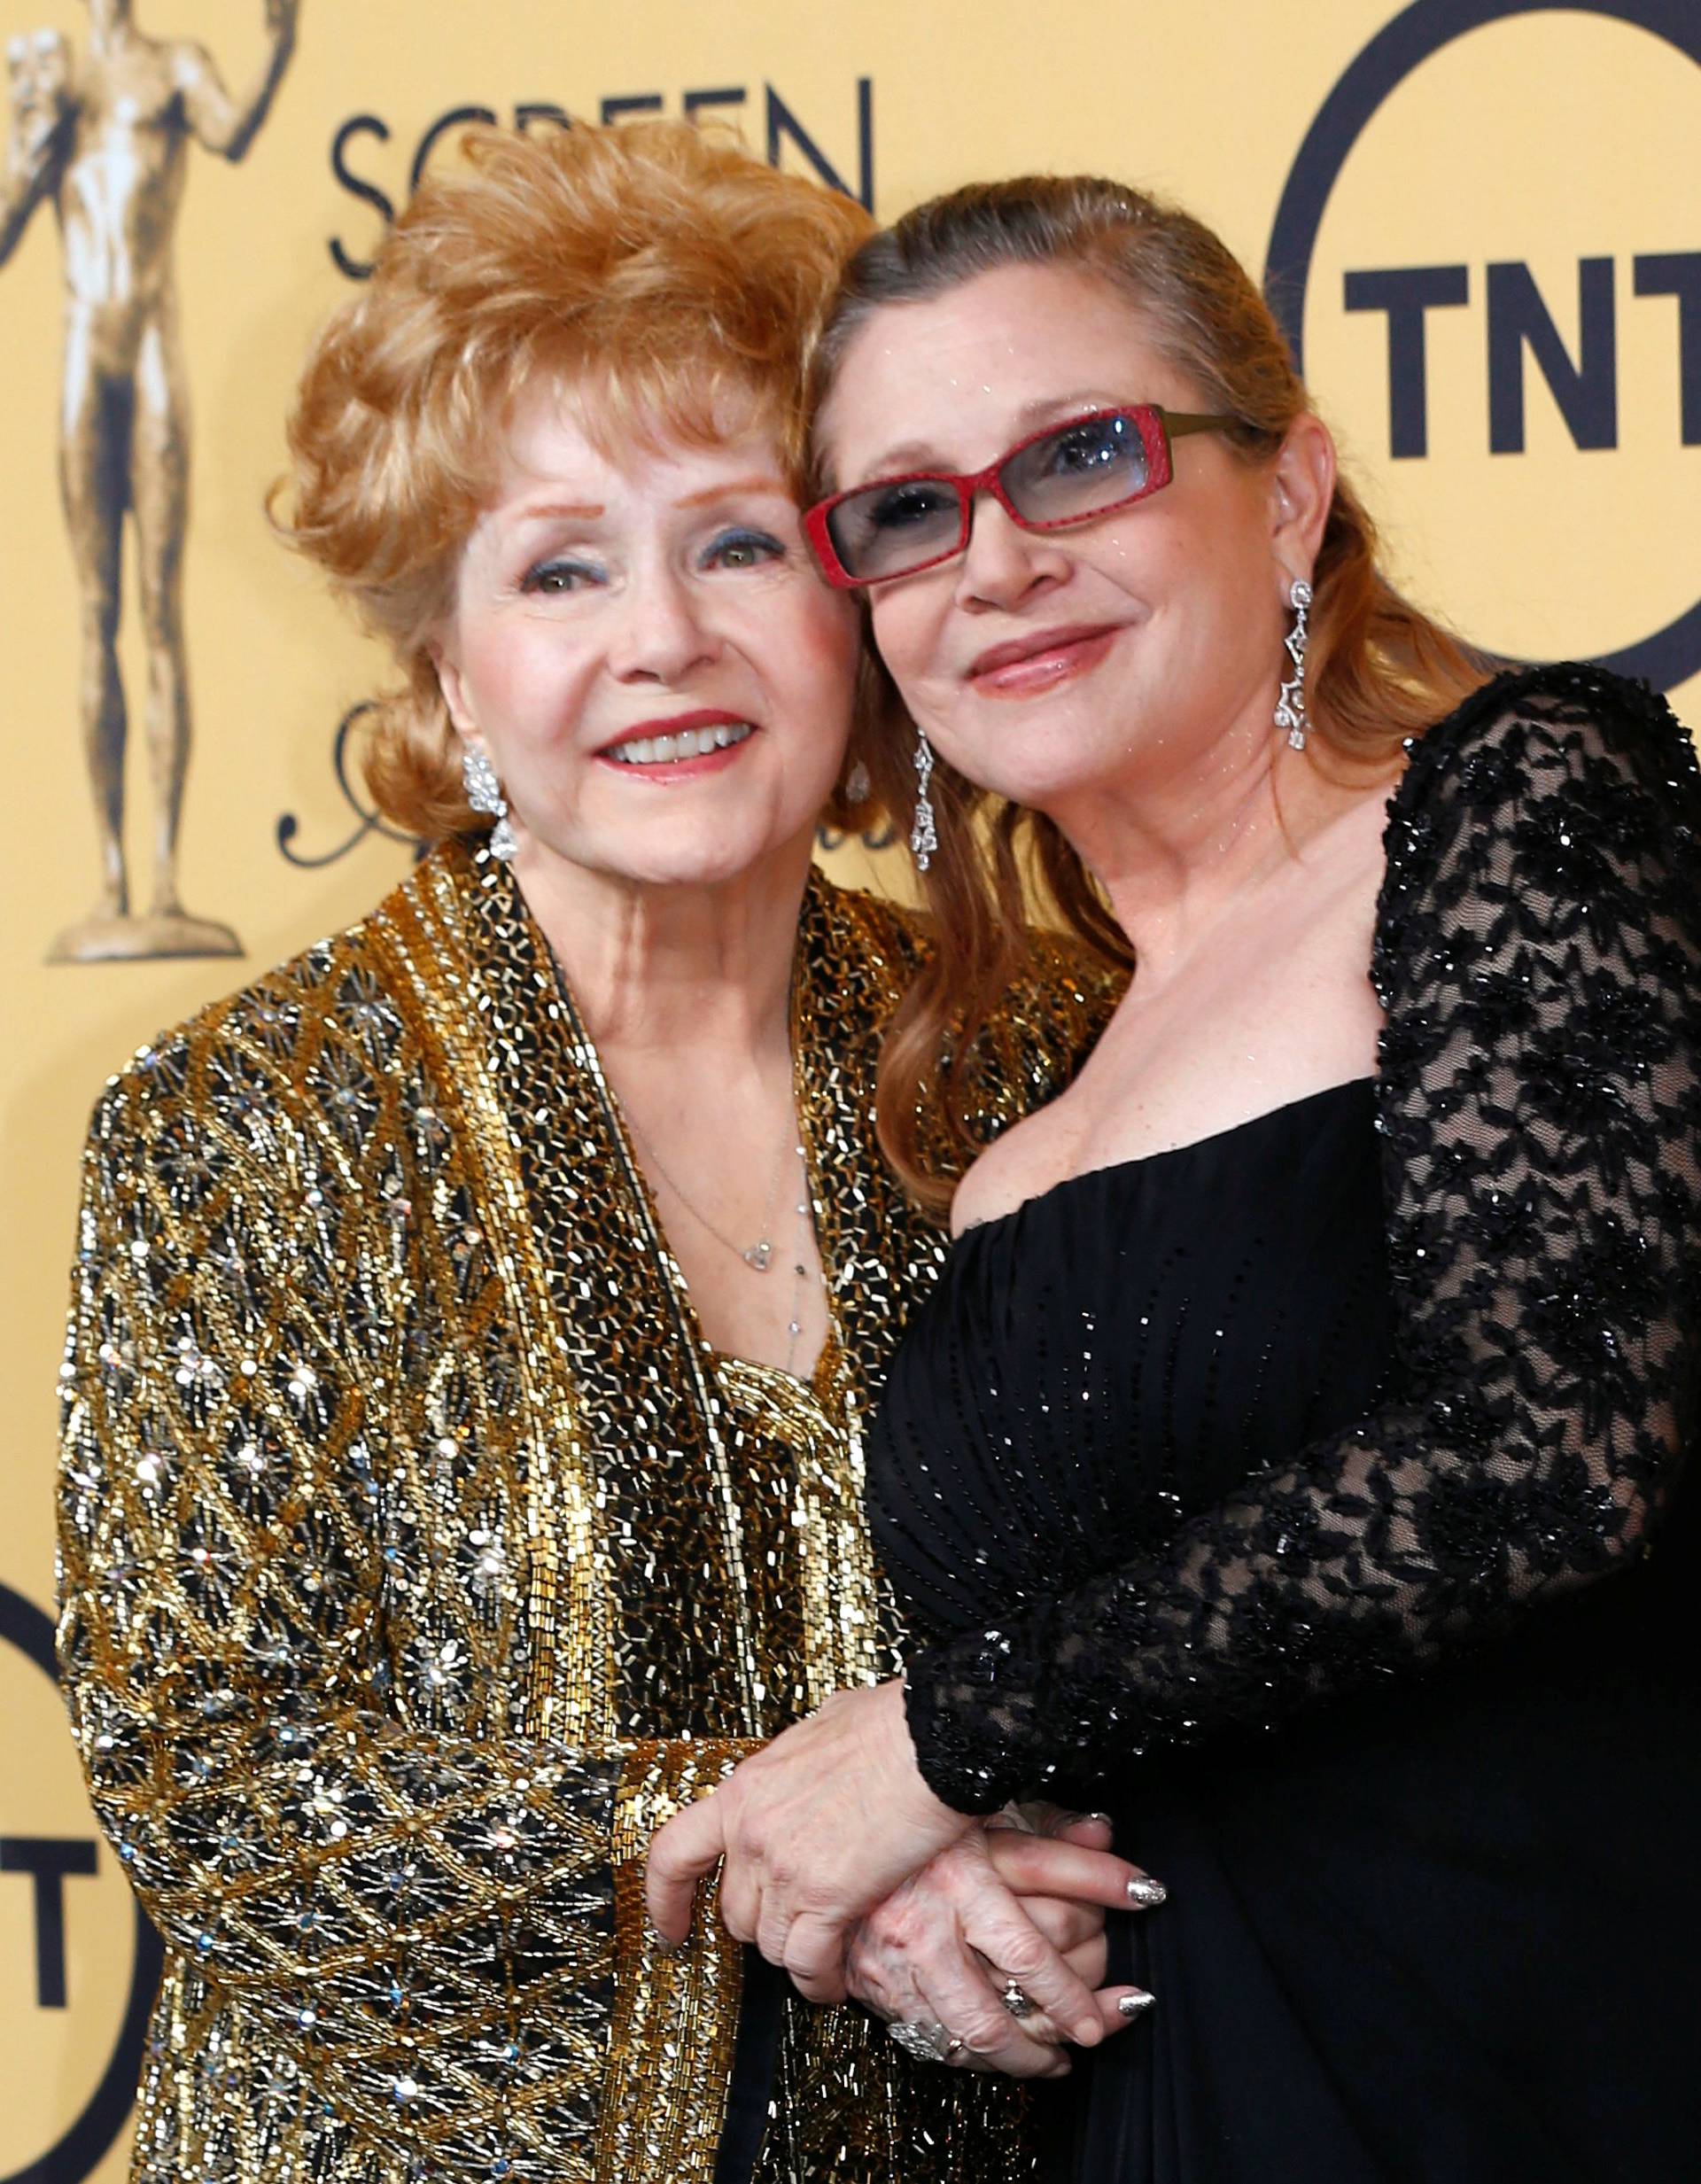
[(1002, 1907), (816, 1828)]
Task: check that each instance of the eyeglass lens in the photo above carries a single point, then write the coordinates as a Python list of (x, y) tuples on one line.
[(1083, 467)]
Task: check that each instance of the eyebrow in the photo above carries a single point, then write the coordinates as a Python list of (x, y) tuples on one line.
[(917, 455), (769, 483), (591, 511)]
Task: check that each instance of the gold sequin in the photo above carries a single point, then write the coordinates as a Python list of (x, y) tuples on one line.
[(419, 1558)]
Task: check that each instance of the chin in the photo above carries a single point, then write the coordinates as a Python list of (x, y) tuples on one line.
[(1041, 785), (699, 863), (1044, 764)]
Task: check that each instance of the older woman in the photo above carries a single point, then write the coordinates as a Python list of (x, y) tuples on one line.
[(475, 1317), (1290, 1452)]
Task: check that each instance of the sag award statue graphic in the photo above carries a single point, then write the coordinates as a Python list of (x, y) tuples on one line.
[(105, 137)]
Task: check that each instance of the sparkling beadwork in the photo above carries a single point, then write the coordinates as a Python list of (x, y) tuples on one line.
[(1537, 951), (421, 1477)]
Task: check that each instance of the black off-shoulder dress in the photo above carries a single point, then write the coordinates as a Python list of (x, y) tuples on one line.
[(1310, 1496)]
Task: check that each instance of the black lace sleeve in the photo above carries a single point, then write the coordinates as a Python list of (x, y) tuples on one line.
[(1538, 956)]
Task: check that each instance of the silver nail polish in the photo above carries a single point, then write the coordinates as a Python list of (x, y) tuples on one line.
[(1103, 1817), (1131, 2005), (1147, 1893)]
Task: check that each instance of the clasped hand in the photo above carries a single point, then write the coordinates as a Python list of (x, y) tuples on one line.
[(840, 1865)]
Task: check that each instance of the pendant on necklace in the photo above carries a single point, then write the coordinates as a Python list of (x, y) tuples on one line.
[(759, 1256)]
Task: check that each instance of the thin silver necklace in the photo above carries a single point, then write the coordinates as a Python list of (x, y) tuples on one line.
[(800, 1265), (757, 1256)]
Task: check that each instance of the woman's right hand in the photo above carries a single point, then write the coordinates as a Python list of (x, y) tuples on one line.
[(1002, 1904)]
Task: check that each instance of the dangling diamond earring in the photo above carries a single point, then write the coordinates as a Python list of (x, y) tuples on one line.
[(924, 838), (1290, 705), (857, 784), (485, 794)]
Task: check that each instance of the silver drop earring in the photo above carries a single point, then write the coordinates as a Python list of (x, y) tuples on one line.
[(857, 784), (1290, 705), (485, 794), (924, 837)]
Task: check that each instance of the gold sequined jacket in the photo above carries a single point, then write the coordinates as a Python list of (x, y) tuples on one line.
[(419, 1558)]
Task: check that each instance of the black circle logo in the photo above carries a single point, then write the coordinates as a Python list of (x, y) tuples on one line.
[(1672, 654)]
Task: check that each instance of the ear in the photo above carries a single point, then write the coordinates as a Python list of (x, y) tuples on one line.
[(1301, 491), (453, 685)]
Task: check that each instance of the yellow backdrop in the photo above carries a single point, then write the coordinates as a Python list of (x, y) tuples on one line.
[(1485, 222)]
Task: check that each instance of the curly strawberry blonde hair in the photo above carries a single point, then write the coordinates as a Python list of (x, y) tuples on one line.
[(666, 279)]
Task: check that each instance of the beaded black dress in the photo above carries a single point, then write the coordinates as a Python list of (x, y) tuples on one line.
[(1310, 1498)]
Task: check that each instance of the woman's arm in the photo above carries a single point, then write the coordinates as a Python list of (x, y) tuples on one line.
[(1539, 958), (946, 1946), (426, 1920)]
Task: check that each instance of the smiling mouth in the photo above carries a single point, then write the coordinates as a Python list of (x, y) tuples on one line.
[(1036, 662), (1040, 654), (685, 744)]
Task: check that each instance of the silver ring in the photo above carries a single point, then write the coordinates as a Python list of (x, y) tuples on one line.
[(926, 2041), (1016, 2001)]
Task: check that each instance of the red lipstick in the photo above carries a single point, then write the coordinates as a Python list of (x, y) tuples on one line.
[(673, 724)]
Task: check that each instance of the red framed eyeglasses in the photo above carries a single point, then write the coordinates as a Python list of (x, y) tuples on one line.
[(1061, 475)]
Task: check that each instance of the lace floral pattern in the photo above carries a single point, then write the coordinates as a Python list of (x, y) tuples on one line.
[(1538, 956)]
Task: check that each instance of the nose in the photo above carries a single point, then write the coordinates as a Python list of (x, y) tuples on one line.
[(663, 633), (1003, 565)]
